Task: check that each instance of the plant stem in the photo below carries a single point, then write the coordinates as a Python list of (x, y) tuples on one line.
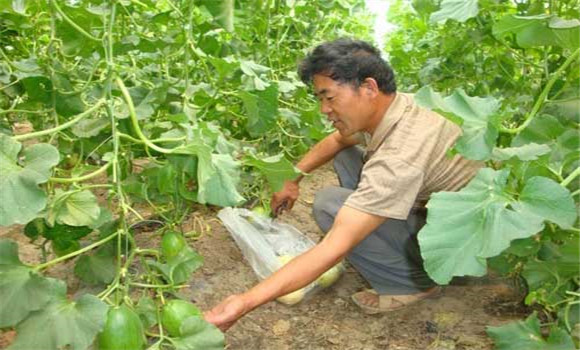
[(24, 111), (166, 139), (134, 120), (82, 178), (155, 286), (543, 95), (71, 122), (73, 254), (570, 177)]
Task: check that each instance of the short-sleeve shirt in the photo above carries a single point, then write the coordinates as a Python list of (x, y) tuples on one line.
[(406, 160)]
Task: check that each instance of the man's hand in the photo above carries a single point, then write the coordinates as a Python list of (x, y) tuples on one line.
[(225, 314), (285, 198)]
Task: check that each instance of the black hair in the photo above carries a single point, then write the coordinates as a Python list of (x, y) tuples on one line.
[(348, 61)]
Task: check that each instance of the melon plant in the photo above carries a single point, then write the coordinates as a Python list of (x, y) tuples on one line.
[(117, 116)]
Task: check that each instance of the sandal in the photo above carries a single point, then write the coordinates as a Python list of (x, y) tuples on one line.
[(388, 303)]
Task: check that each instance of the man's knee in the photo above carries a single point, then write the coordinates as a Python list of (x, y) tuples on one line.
[(346, 158), (326, 205)]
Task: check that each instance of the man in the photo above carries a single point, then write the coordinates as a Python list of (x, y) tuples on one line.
[(374, 217)]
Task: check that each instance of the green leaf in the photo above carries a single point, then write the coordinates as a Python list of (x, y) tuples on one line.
[(199, 335), (35, 228), (553, 272), (276, 169), (16, 6), (542, 30), (63, 247), (22, 199), (217, 175), (21, 290), (73, 42), (527, 335), (466, 227), (9, 252), (262, 109), (183, 265), (62, 324), (224, 66), (65, 232), (526, 152), (459, 10), (98, 268), (549, 200), (75, 208), (251, 68), (476, 114), (179, 268), (218, 181), (39, 89), (147, 311), (524, 247), (567, 32), (68, 101), (90, 127), (166, 177), (543, 129)]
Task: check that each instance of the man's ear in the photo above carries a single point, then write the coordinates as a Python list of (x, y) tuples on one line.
[(370, 86)]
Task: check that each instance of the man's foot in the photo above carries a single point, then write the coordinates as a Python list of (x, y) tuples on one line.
[(372, 303)]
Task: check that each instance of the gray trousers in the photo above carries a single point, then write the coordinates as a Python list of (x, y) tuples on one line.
[(389, 258)]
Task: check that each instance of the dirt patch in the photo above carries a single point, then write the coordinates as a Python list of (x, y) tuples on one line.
[(328, 320)]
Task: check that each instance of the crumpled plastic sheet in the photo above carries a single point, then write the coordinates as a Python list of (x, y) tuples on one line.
[(263, 240)]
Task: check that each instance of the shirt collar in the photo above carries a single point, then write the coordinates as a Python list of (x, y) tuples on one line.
[(391, 117)]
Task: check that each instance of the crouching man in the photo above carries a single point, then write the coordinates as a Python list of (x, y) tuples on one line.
[(389, 155)]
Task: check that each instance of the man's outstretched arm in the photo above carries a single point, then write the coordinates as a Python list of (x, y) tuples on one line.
[(350, 227)]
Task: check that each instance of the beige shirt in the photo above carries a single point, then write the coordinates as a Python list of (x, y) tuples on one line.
[(406, 160)]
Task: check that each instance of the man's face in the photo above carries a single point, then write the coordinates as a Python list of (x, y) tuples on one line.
[(347, 107)]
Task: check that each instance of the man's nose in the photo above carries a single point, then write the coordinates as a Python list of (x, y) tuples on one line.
[(325, 108)]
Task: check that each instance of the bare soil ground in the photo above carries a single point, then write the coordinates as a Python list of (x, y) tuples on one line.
[(328, 320)]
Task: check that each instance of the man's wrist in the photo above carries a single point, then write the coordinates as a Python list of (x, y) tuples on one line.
[(249, 302)]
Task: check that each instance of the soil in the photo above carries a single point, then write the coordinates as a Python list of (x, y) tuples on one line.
[(456, 319)]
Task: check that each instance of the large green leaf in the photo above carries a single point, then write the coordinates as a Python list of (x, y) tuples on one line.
[(74, 208), (68, 101), (549, 200), (549, 131), (9, 253), (198, 334), (527, 335), (147, 311), (526, 152), (217, 175), (22, 199), (276, 169), (476, 115), (262, 110), (99, 267), (459, 10), (21, 290), (179, 268), (466, 227), (539, 30), (38, 89), (221, 178), (73, 42), (62, 325)]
